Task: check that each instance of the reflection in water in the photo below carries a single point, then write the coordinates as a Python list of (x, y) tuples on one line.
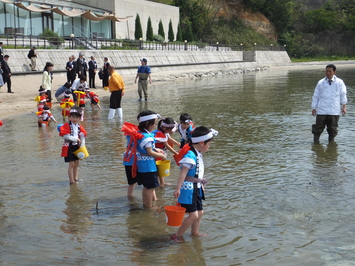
[(272, 197), (78, 213)]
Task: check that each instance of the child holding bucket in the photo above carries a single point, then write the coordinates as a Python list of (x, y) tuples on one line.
[(74, 137), (162, 138), (146, 154), (189, 189)]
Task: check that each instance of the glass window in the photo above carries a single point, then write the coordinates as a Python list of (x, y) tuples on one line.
[(2, 18), (10, 18), (36, 21), (77, 26), (58, 24), (67, 25), (24, 22)]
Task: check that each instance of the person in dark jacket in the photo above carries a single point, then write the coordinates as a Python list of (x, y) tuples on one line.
[(32, 55), (92, 72), (6, 73), (71, 69), (106, 75)]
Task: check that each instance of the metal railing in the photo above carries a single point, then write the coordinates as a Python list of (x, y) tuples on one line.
[(99, 43)]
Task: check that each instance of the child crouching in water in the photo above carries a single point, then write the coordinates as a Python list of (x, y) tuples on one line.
[(146, 153), (74, 137), (45, 117), (189, 189)]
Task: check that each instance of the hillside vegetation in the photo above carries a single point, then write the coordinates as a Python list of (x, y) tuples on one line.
[(306, 32)]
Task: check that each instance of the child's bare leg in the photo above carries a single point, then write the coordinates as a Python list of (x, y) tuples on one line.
[(130, 190), (92, 107), (76, 170), (98, 105), (161, 181), (196, 225), (193, 216), (147, 195), (154, 197), (71, 172)]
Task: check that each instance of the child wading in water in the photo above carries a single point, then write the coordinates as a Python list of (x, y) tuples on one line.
[(74, 137), (147, 169), (189, 189), (162, 137), (185, 128)]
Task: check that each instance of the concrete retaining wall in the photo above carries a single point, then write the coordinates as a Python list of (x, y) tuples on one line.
[(127, 61)]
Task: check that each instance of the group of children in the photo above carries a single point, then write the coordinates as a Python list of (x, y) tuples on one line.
[(145, 145), (76, 95)]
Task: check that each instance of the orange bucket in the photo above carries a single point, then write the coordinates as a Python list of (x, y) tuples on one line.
[(174, 215)]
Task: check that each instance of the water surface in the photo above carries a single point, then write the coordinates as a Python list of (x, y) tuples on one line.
[(274, 198)]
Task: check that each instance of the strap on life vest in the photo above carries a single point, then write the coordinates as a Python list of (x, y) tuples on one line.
[(131, 130), (183, 151)]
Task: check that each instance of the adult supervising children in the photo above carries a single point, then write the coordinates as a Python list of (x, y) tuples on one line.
[(143, 74), (116, 87), (329, 95)]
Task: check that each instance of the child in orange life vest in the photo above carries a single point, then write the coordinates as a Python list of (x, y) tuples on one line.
[(66, 103), (94, 98), (190, 189), (45, 117), (74, 136), (162, 139), (41, 99)]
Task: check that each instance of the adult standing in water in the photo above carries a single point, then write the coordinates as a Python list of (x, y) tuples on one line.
[(143, 74), (105, 73), (329, 95), (116, 86), (47, 82)]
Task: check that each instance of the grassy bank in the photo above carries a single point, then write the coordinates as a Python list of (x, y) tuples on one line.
[(322, 58)]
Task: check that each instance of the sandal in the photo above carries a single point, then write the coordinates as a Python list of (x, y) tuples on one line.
[(177, 239)]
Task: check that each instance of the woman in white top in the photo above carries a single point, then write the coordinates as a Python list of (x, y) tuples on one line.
[(47, 82)]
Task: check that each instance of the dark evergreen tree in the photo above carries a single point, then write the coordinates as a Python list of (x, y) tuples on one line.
[(171, 32), (187, 34), (161, 29), (138, 32), (179, 34), (149, 35)]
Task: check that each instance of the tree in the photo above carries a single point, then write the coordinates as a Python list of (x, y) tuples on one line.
[(161, 29), (179, 34), (149, 34), (171, 32), (187, 34), (138, 32)]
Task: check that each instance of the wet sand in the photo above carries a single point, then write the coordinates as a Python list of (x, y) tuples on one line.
[(26, 87)]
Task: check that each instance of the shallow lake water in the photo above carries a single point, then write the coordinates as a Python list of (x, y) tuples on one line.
[(274, 198)]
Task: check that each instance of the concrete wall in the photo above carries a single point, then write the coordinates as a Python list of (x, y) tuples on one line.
[(145, 9), (127, 61)]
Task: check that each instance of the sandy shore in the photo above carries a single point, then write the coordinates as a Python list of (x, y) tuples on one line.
[(26, 87)]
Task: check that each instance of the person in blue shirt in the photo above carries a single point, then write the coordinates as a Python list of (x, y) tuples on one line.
[(143, 74)]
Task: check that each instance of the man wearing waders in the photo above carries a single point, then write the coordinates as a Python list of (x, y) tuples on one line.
[(329, 95), (143, 74)]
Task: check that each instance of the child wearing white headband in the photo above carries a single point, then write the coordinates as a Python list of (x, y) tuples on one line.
[(190, 189)]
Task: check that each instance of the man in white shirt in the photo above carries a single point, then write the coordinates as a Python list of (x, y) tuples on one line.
[(329, 95)]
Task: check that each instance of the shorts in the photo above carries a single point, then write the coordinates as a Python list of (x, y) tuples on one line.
[(196, 201), (130, 179), (93, 102), (148, 180), (71, 156), (82, 105)]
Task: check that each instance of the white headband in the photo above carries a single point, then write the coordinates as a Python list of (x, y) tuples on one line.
[(75, 111), (67, 95), (148, 117), (210, 135), (186, 121), (168, 125)]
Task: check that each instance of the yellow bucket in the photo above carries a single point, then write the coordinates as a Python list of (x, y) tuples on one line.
[(81, 153), (163, 168)]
